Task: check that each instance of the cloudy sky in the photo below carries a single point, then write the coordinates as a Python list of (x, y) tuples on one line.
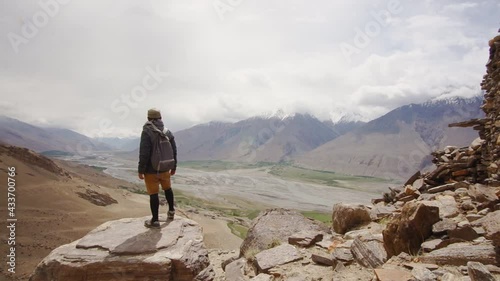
[(97, 66)]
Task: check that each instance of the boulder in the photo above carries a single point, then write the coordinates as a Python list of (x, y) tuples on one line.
[(369, 252), (235, 270), (279, 255), (126, 250), (323, 259), (447, 205), (478, 272), (465, 233), (491, 224), (461, 253), (431, 245), (448, 276), (421, 273), (444, 226), (406, 232), (343, 253), (348, 216), (483, 194), (274, 226)]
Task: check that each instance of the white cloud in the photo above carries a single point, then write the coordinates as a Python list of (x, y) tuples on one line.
[(460, 7), (263, 56)]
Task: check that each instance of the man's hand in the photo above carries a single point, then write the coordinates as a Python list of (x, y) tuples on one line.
[(172, 172), (141, 176)]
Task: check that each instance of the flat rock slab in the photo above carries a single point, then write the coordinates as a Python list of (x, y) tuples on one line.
[(126, 250), (478, 272), (235, 270), (279, 255), (491, 224), (392, 275), (461, 253), (444, 226), (129, 237), (323, 259), (305, 238), (343, 254), (431, 245)]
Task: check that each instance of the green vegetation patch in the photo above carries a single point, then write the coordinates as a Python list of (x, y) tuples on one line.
[(56, 153), (288, 171), (238, 230), (217, 165), (185, 200), (319, 216)]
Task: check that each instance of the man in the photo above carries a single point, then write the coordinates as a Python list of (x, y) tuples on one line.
[(151, 177)]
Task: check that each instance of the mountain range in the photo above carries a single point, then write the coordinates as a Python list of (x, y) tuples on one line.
[(15, 132), (397, 144), (391, 146), (271, 139)]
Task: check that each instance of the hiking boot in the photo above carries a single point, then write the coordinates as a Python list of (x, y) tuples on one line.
[(152, 224), (170, 215)]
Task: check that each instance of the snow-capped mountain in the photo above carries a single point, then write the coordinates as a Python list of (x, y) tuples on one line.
[(399, 143)]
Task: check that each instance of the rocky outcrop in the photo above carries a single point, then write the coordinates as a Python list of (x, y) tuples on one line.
[(34, 159), (273, 227), (126, 250), (348, 216), (407, 231), (461, 253)]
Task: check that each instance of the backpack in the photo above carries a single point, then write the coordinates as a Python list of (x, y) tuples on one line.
[(162, 157)]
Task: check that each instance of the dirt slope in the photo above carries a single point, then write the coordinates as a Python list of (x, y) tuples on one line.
[(50, 210)]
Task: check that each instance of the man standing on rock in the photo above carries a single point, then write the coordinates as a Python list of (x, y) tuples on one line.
[(153, 178)]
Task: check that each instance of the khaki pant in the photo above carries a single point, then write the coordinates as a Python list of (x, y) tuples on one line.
[(153, 182)]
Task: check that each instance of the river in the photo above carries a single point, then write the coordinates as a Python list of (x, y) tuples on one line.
[(253, 185)]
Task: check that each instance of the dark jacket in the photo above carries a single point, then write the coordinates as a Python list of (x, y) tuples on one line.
[(146, 149)]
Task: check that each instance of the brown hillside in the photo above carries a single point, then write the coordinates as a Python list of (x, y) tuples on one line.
[(50, 210)]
